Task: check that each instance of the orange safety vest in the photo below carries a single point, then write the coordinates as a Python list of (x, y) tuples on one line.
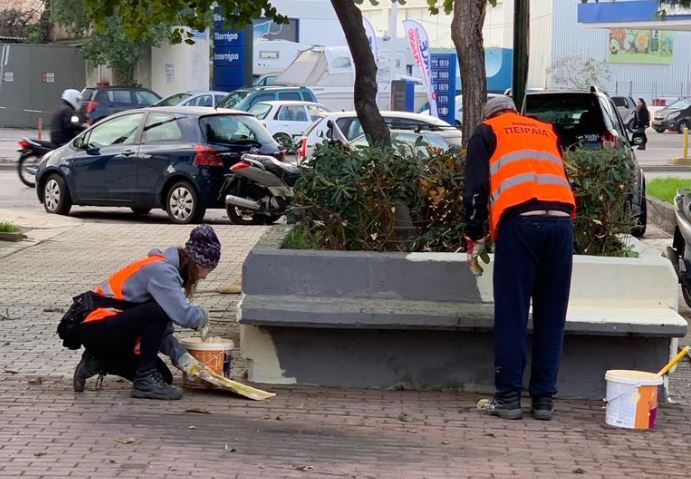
[(113, 286), (526, 165)]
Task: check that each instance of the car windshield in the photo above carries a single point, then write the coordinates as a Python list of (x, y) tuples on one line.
[(234, 129), (679, 105), (260, 110), (173, 99), (233, 99)]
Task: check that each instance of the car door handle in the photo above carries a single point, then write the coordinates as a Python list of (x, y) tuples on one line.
[(126, 154)]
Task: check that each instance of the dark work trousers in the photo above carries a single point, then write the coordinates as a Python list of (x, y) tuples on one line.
[(533, 259), (113, 340)]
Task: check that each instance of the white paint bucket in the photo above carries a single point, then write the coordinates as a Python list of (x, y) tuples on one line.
[(214, 353), (631, 398)]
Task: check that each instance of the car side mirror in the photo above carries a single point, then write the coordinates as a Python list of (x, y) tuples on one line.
[(639, 138), (78, 143)]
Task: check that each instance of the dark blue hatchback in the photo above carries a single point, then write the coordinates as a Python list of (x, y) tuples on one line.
[(167, 157)]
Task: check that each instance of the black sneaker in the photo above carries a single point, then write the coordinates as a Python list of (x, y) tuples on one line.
[(508, 407), (542, 408), (88, 366), (152, 385)]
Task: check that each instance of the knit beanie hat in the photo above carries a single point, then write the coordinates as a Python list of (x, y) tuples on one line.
[(204, 247), (497, 104)]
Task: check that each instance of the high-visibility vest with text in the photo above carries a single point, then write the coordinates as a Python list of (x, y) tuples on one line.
[(526, 165)]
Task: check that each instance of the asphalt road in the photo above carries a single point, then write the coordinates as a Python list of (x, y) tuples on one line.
[(13, 194)]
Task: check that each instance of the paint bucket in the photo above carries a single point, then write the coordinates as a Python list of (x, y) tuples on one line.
[(214, 352), (631, 398)]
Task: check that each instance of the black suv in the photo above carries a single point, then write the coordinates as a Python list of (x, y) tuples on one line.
[(99, 102), (589, 119), (675, 116)]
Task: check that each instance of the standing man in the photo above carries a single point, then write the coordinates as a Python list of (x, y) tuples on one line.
[(515, 169)]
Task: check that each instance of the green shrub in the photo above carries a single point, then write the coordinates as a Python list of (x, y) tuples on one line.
[(602, 182), (380, 199), (6, 227)]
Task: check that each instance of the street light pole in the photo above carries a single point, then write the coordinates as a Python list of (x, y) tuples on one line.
[(521, 45)]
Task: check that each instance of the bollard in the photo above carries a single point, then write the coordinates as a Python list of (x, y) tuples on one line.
[(684, 143), (40, 127)]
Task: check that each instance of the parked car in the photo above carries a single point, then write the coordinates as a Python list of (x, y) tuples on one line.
[(349, 125), (413, 141), (172, 158), (675, 116), (244, 98), (589, 119), (193, 98), (287, 119), (265, 80), (100, 102), (626, 106)]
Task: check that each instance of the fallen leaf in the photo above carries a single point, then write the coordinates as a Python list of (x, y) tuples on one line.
[(303, 467), (10, 371), (279, 418), (403, 417), (126, 440), (36, 381), (198, 410), (490, 434), (40, 453), (112, 461), (578, 470), (232, 449), (445, 442)]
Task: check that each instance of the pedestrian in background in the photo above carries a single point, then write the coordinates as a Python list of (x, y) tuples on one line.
[(515, 170), (641, 120), (135, 311)]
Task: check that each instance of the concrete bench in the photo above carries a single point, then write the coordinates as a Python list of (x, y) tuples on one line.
[(363, 319)]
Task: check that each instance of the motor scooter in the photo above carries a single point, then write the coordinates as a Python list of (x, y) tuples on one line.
[(31, 150), (680, 251)]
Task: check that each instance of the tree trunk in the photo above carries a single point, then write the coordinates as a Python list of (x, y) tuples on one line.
[(365, 92), (466, 33)]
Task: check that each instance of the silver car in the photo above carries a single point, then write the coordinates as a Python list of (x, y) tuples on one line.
[(193, 98)]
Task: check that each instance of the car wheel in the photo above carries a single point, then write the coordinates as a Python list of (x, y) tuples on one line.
[(660, 130), (641, 221), (141, 211), (284, 140), (56, 198), (27, 170), (683, 124), (629, 125), (182, 204)]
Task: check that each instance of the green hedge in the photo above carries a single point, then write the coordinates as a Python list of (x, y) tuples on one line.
[(378, 199)]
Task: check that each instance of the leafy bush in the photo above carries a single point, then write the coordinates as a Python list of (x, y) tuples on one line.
[(6, 227), (602, 182), (378, 199)]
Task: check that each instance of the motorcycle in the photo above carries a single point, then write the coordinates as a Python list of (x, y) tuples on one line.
[(680, 251), (31, 150), (258, 189)]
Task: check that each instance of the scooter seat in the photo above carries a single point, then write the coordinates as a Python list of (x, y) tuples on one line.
[(291, 176), (44, 143)]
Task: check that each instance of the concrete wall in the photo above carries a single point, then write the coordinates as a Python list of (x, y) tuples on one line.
[(176, 68)]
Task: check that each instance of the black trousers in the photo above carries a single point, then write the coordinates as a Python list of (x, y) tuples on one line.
[(113, 340), (533, 260)]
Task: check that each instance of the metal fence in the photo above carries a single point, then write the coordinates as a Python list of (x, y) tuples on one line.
[(651, 90), (32, 78)]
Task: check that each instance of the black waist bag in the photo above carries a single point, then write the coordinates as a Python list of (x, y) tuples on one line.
[(70, 326)]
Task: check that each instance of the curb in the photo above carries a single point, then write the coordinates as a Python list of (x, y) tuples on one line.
[(666, 168), (661, 214)]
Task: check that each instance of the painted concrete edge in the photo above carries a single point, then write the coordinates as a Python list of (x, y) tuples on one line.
[(661, 214)]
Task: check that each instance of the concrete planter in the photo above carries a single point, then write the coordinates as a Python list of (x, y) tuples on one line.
[(14, 236), (363, 319)]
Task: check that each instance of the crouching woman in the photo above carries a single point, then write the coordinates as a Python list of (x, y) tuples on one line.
[(135, 313)]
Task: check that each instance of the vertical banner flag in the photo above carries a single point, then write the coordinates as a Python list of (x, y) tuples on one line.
[(371, 38), (419, 46)]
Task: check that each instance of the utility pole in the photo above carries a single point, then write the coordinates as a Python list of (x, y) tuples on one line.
[(521, 46)]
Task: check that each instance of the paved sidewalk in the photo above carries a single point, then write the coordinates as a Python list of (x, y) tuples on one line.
[(304, 432)]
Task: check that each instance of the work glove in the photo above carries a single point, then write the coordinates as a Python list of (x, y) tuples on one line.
[(476, 251), (203, 326)]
